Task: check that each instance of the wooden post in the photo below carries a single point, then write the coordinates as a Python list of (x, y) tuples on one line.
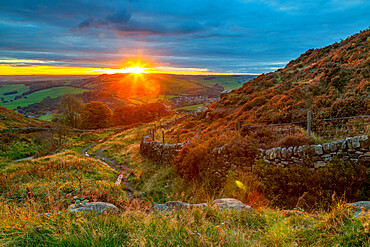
[(163, 136), (153, 134), (239, 130), (198, 137), (178, 136), (309, 119)]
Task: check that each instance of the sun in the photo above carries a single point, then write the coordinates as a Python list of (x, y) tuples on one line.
[(135, 70)]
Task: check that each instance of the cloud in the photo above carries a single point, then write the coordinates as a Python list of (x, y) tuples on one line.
[(219, 35)]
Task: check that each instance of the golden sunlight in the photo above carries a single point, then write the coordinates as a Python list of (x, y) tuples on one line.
[(135, 70)]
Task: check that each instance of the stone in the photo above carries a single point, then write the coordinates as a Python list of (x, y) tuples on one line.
[(355, 142), (300, 151), (272, 154), (343, 144), (362, 208), (349, 142), (365, 157), (318, 149), (319, 164), (327, 157), (93, 207), (231, 203), (364, 141), (290, 152), (278, 152), (268, 152), (333, 146), (295, 151), (326, 147), (176, 205), (284, 153)]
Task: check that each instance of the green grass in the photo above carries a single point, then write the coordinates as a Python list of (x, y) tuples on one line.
[(21, 88), (190, 107), (39, 95), (228, 82), (47, 117)]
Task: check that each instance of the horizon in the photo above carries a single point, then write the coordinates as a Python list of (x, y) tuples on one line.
[(206, 38)]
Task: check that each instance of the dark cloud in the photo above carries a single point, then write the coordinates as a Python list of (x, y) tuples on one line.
[(221, 35)]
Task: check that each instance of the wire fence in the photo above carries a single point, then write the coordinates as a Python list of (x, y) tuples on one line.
[(329, 125)]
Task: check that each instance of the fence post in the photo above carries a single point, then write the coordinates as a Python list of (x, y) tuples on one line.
[(309, 119), (178, 136), (163, 136), (198, 137), (239, 130)]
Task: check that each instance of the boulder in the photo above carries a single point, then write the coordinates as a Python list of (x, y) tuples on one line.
[(176, 205), (362, 208), (231, 203), (93, 207)]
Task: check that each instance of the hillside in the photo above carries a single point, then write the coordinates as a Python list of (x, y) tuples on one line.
[(335, 79), (11, 119)]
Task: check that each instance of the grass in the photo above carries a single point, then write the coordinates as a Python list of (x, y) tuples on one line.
[(228, 82), (29, 189), (190, 107), (39, 95), (21, 88), (48, 117), (197, 227)]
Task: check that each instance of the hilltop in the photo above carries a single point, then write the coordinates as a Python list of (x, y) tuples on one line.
[(334, 78)]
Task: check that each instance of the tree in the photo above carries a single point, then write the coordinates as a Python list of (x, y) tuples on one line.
[(70, 108), (95, 115)]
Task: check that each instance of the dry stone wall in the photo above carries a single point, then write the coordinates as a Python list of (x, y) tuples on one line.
[(160, 152), (353, 149), (315, 156)]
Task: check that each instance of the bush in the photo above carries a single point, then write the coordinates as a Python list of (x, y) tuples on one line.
[(214, 158), (298, 139), (287, 187)]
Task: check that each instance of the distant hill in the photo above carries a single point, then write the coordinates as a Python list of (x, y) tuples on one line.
[(333, 79), (39, 96)]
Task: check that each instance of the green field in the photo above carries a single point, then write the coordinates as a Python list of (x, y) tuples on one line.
[(21, 88), (190, 107), (228, 82), (40, 95)]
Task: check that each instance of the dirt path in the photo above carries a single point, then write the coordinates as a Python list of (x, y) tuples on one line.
[(123, 169)]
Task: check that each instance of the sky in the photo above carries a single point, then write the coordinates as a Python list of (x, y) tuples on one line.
[(224, 36)]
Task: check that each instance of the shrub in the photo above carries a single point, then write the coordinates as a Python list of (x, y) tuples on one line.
[(214, 158), (286, 187), (297, 139)]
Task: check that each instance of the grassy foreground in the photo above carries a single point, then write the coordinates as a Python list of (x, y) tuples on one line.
[(35, 195), (137, 226)]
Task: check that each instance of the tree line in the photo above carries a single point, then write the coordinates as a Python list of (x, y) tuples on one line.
[(95, 114)]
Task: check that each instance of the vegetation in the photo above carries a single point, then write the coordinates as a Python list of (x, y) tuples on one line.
[(39, 95), (95, 115), (295, 206)]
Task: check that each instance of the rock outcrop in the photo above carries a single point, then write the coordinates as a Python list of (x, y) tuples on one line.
[(221, 204), (363, 207), (94, 207)]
